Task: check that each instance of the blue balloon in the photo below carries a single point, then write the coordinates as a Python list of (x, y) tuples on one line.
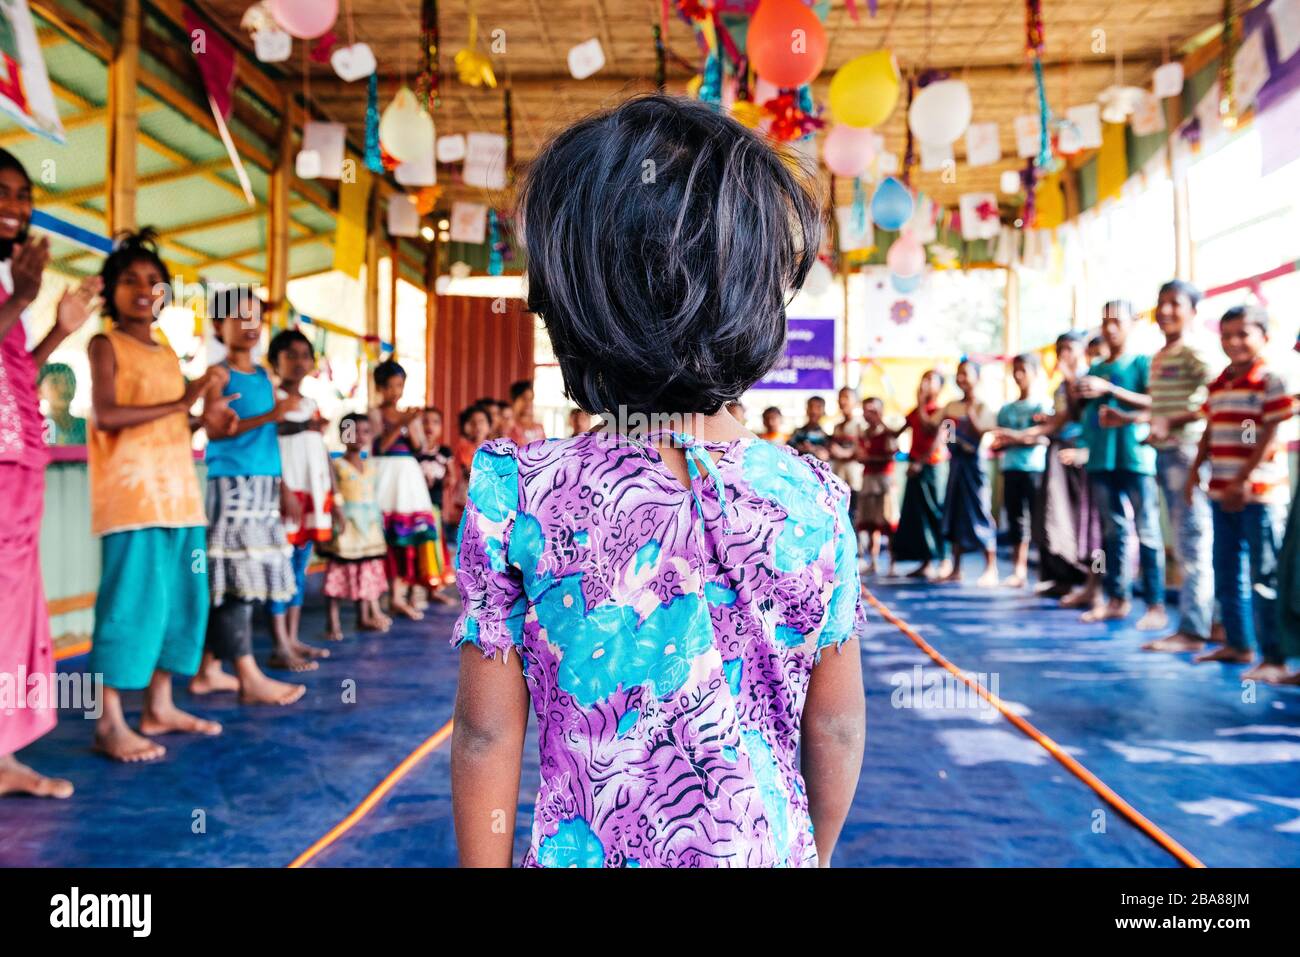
[(892, 205), (905, 284)]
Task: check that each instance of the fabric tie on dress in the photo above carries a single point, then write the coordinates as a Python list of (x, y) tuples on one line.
[(699, 463)]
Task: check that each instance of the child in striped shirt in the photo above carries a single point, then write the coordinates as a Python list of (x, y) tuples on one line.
[(1180, 372), (1248, 494)]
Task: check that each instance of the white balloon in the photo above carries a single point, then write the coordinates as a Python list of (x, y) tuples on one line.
[(940, 112), (405, 129)]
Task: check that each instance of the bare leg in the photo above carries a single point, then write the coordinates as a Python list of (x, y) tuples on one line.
[(990, 577), (18, 778), (1020, 575), (399, 603), (293, 619), (161, 716), (256, 688), (378, 620), (334, 630), (211, 677), (115, 739), (954, 573), (283, 655)]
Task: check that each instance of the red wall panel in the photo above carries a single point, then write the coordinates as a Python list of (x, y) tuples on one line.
[(478, 351)]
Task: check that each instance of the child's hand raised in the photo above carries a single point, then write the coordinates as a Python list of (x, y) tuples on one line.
[(219, 420), (27, 267), (78, 305)]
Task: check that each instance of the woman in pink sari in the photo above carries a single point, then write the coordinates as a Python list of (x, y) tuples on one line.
[(26, 653)]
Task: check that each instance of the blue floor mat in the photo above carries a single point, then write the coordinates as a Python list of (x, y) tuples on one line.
[(944, 783)]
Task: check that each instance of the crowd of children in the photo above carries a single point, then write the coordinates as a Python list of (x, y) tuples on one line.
[(1084, 474)]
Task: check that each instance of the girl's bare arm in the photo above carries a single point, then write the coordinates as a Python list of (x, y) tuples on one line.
[(833, 735), (487, 747)]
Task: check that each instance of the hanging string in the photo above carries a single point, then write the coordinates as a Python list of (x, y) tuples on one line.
[(859, 206), (1227, 78), (661, 72), (508, 124), (909, 154), (427, 85)]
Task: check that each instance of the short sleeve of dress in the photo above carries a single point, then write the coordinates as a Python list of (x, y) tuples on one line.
[(491, 589), (846, 616)]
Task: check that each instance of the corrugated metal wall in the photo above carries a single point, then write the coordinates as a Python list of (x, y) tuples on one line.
[(480, 346)]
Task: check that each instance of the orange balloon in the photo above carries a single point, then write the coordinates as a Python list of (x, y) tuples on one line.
[(786, 43)]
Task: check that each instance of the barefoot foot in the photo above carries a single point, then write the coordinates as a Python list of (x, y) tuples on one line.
[(264, 690), (1017, 581), (212, 682), (407, 611), (123, 744), (1155, 619), (1110, 611), (292, 662), (1175, 643), (308, 651), (174, 720), (990, 580), (18, 778), (1272, 674), (1227, 654)]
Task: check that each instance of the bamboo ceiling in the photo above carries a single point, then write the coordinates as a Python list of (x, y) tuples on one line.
[(980, 41)]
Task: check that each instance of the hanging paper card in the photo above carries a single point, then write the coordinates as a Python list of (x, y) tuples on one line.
[(1279, 133), (307, 164), (1112, 162), (1027, 136), (1249, 69), (922, 225), (272, 45), (451, 149), (1167, 81), (585, 59), (1087, 120), (982, 145), (353, 63), (1149, 116), (850, 236), (25, 92), (1207, 114), (979, 216), (403, 217), (419, 172), (485, 161), (1286, 27), (468, 223), (935, 156), (326, 140), (887, 163)]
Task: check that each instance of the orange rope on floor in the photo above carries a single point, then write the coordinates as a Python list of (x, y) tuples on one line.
[(1108, 795), (373, 798), (72, 651)]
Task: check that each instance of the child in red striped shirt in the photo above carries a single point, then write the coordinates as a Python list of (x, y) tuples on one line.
[(1248, 494)]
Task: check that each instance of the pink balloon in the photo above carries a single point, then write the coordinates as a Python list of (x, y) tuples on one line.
[(906, 256), (305, 19), (848, 150)]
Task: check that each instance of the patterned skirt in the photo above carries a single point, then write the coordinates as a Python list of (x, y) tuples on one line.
[(360, 580), (248, 554)]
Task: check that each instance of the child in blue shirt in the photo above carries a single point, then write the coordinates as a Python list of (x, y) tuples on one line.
[(1024, 458)]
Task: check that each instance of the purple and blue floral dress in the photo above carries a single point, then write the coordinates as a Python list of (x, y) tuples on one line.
[(667, 637)]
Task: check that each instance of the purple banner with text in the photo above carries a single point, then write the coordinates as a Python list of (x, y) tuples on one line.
[(809, 360)]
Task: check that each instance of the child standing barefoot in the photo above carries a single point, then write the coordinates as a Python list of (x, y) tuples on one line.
[(1123, 467), (875, 514), (1024, 458), (152, 605), (920, 522), (435, 464), (967, 519), (1248, 495), (356, 554), (403, 495), (248, 555), (307, 476)]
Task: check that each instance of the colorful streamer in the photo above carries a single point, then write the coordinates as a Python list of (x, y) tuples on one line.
[(426, 86), (374, 156), (496, 264)]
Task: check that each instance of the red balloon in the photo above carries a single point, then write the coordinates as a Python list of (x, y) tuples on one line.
[(786, 43)]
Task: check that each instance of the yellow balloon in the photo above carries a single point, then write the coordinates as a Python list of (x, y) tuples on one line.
[(864, 91)]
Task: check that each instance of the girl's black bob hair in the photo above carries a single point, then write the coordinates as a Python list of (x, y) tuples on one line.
[(663, 239), (386, 371), (130, 249)]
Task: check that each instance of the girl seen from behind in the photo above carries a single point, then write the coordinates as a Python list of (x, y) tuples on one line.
[(683, 599)]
